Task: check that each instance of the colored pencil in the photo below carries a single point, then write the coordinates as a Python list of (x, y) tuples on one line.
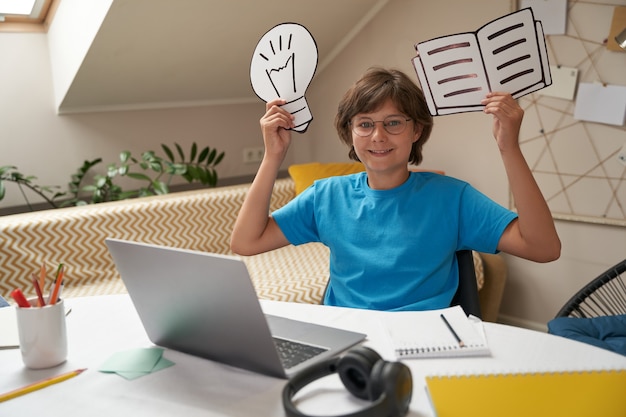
[(42, 276), (40, 300), (54, 296), (39, 385)]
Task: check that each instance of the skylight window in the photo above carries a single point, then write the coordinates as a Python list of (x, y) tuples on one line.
[(18, 7), (25, 15)]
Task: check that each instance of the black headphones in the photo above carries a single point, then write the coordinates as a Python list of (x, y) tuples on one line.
[(367, 376)]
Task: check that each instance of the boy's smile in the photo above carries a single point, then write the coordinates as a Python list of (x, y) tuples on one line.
[(384, 154)]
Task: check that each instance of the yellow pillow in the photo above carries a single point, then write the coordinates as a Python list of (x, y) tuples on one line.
[(304, 174)]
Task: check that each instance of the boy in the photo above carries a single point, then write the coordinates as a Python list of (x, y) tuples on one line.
[(392, 233)]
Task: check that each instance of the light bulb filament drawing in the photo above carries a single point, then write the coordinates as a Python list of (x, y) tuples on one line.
[(276, 73), (287, 70)]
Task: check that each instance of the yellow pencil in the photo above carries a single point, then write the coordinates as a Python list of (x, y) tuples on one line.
[(39, 385)]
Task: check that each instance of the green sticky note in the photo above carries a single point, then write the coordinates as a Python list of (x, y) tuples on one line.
[(135, 363), (161, 364)]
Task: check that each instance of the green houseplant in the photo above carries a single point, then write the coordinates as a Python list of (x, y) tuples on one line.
[(151, 172)]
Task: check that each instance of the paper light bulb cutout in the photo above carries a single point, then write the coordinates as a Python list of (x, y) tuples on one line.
[(283, 64)]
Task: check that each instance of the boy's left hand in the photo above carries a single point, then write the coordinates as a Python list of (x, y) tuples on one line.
[(507, 118)]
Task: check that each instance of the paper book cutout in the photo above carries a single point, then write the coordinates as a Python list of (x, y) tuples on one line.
[(507, 54), (283, 64)]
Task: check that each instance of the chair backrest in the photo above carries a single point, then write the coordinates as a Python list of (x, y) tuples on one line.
[(605, 295), (467, 293)]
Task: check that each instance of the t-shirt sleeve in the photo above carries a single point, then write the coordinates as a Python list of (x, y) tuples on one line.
[(296, 219), (482, 221)]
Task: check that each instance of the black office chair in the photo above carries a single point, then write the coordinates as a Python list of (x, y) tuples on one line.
[(467, 293), (605, 295)]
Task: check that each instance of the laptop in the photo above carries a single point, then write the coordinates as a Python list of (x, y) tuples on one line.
[(205, 304)]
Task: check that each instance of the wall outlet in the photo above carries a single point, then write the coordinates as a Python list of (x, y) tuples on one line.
[(253, 155)]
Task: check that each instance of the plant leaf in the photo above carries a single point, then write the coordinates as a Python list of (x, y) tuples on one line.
[(123, 170), (194, 152), (211, 156), (124, 156), (180, 152), (168, 152), (6, 168), (156, 166), (127, 194), (101, 181), (203, 154), (219, 159), (213, 182), (144, 192), (179, 169), (139, 176), (160, 187)]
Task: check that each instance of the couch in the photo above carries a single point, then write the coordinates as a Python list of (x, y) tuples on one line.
[(199, 220)]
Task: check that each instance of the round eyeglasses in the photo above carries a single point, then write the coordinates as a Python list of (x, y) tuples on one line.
[(364, 126)]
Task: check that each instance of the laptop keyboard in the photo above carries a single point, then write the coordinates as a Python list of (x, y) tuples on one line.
[(292, 353)]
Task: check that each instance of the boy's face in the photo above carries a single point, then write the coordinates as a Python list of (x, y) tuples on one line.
[(388, 146)]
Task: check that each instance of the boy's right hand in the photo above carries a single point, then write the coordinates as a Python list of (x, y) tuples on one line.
[(276, 125)]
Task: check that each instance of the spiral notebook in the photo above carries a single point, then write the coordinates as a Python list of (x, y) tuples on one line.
[(567, 393), (442, 333)]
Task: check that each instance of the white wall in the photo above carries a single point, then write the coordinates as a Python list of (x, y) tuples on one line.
[(73, 29), (40, 142)]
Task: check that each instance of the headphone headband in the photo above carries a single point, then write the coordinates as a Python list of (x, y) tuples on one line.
[(387, 384)]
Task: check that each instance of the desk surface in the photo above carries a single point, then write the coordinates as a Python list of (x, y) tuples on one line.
[(101, 326)]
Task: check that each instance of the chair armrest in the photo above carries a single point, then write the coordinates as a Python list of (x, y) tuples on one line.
[(490, 295)]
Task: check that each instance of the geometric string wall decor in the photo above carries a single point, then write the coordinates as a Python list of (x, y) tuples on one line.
[(576, 162)]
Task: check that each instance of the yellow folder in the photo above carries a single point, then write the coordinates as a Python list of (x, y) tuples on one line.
[(555, 394)]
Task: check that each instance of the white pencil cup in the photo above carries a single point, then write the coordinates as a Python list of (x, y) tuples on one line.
[(42, 334)]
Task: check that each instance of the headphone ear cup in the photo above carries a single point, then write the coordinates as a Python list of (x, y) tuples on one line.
[(355, 369), (395, 381)]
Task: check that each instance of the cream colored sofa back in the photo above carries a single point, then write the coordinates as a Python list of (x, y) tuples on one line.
[(200, 220)]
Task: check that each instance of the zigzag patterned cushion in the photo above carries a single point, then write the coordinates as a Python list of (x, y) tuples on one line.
[(198, 220), (292, 273)]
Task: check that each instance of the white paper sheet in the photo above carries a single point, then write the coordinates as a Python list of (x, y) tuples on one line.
[(564, 81), (601, 103), (551, 13)]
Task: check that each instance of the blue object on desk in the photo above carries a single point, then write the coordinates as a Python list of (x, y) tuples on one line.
[(607, 332), (3, 302)]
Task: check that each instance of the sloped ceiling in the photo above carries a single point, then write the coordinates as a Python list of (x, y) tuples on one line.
[(166, 53)]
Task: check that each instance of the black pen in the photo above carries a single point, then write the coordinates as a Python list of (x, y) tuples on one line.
[(456, 336)]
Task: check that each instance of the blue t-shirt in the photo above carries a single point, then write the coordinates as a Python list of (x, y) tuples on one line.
[(393, 249)]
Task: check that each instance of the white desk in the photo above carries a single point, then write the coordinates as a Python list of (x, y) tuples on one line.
[(101, 326)]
